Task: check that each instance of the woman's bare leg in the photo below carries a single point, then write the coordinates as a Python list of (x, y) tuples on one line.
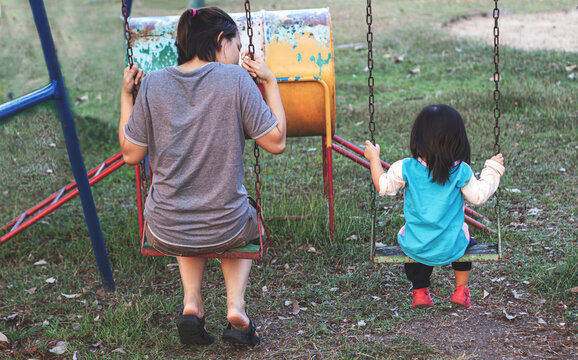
[(192, 270), (236, 274)]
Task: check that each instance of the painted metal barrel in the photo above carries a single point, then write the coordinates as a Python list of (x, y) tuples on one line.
[(296, 45)]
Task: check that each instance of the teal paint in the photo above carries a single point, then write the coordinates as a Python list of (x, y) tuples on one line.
[(320, 62), (298, 57)]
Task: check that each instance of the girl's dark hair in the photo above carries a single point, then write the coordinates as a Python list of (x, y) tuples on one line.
[(439, 137), (198, 33)]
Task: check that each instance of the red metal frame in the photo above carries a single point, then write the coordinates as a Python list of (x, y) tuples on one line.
[(365, 163), (60, 197)]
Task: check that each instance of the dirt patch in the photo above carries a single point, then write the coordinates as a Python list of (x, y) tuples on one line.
[(546, 31)]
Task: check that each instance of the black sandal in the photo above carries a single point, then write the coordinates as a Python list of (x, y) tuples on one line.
[(192, 330), (240, 337)]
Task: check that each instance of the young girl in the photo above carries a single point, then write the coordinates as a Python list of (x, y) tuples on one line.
[(192, 120), (436, 179)]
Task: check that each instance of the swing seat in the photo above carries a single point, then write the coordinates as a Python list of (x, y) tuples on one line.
[(250, 251), (475, 253)]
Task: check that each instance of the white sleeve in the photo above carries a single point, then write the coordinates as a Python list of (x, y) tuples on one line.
[(391, 181), (477, 191)]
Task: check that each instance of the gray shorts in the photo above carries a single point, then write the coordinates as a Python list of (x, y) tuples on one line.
[(249, 233)]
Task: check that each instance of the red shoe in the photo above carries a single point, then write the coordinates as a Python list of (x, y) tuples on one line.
[(461, 296), (421, 298)]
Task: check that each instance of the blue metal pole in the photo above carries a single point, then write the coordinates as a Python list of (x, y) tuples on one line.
[(72, 144), (24, 102), (128, 6)]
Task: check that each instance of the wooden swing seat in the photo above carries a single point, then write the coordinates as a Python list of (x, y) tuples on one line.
[(250, 251), (475, 253)]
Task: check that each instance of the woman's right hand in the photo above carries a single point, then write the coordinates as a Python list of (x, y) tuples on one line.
[(257, 69), (132, 78)]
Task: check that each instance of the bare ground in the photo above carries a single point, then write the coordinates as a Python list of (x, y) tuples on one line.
[(550, 31)]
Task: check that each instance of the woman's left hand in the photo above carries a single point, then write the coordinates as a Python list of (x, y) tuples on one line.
[(132, 78)]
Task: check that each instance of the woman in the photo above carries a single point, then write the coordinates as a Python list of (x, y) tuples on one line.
[(192, 120)]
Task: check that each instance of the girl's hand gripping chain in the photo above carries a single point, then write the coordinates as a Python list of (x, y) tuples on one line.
[(371, 151), (372, 154)]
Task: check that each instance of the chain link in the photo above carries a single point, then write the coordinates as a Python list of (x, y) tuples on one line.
[(371, 108), (256, 151), (497, 113), (129, 52), (370, 79), (251, 47)]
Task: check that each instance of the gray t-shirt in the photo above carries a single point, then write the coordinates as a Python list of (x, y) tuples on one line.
[(194, 125)]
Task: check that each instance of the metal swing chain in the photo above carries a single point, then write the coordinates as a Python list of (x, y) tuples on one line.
[(129, 52), (497, 112), (370, 85), (251, 47), (256, 150)]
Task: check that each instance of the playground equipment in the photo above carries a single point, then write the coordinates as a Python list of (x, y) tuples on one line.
[(479, 252), (297, 47), (56, 90)]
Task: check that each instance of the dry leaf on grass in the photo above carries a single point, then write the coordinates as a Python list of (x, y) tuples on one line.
[(508, 316), (3, 341), (296, 308)]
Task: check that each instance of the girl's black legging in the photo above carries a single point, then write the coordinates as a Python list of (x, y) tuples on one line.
[(419, 274)]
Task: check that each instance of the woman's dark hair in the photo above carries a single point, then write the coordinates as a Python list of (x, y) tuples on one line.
[(439, 137), (198, 33)]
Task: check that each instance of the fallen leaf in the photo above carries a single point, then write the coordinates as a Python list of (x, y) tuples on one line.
[(361, 323), (3, 341), (288, 302), (333, 289), (101, 292), (312, 250), (51, 280), (398, 59), (542, 322), (119, 350), (172, 265), (286, 266), (74, 357), (516, 294), (376, 298), (82, 98), (283, 318), (486, 294), (296, 308), (60, 348), (41, 262), (70, 296), (508, 316), (265, 289), (359, 123), (574, 289), (571, 68), (414, 70), (31, 290)]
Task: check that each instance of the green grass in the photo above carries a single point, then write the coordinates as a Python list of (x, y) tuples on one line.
[(337, 285)]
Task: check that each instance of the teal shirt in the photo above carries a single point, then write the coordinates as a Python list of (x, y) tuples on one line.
[(434, 214)]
